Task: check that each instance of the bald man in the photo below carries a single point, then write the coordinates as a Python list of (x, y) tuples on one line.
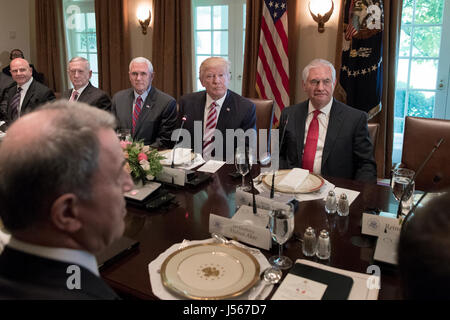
[(27, 94)]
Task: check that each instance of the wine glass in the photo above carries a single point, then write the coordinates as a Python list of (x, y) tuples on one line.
[(281, 224), (242, 166), (400, 179), (124, 134)]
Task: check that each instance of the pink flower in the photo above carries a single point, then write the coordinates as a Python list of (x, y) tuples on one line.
[(142, 156), (124, 144)]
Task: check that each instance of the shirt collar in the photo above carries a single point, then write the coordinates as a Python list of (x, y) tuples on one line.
[(78, 257), (26, 85), (144, 95), (219, 102), (326, 110), (80, 91)]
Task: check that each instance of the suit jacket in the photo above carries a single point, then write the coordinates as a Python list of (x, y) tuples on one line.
[(236, 112), (157, 120), (348, 150), (26, 276), (92, 96), (5, 83), (36, 95)]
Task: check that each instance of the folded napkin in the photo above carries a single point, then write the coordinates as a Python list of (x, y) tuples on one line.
[(161, 292), (294, 178)]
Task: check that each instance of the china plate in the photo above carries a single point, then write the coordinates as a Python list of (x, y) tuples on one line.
[(179, 151), (312, 183), (210, 271)]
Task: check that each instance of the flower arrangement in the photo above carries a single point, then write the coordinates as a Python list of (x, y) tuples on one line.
[(143, 163)]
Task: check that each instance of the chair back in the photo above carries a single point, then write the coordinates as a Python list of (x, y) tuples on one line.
[(373, 133), (264, 115), (420, 136)]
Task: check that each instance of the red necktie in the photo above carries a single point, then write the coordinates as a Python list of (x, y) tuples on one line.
[(74, 96), (310, 148), (136, 112), (211, 123)]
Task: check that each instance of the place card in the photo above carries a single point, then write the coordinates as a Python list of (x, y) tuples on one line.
[(211, 166), (246, 198), (172, 175), (250, 232)]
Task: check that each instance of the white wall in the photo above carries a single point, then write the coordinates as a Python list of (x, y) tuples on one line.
[(15, 26)]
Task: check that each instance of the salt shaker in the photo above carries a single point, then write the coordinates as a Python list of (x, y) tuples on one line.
[(343, 207), (323, 245), (309, 242), (331, 203)]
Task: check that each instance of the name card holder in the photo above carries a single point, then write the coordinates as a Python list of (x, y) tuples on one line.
[(173, 176), (386, 226), (247, 227)]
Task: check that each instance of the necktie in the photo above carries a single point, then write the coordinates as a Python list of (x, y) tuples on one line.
[(136, 112), (15, 103), (309, 152), (211, 123), (74, 96)]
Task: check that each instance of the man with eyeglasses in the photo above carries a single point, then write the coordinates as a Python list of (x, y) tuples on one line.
[(324, 135), (80, 73), (149, 113), (26, 95)]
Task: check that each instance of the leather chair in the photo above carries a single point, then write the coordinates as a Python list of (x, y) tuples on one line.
[(420, 136), (264, 115), (373, 133)]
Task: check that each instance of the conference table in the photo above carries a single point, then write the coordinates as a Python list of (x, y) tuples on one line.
[(188, 218)]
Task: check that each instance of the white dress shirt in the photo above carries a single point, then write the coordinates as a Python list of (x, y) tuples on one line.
[(25, 88), (323, 118), (80, 91), (219, 104)]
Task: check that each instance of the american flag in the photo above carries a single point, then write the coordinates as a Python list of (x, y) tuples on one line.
[(272, 79)]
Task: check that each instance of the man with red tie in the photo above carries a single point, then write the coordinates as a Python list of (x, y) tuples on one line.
[(149, 113), (80, 73), (217, 109), (324, 135)]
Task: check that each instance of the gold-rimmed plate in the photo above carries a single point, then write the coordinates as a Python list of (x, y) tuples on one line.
[(210, 271), (312, 183)]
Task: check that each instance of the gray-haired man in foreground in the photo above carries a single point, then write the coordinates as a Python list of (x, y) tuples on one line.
[(62, 181)]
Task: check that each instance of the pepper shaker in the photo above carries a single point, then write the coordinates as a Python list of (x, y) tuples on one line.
[(323, 245), (331, 203), (309, 242), (343, 207)]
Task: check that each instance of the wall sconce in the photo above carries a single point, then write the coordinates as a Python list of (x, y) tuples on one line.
[(321, 11), (144, 16)]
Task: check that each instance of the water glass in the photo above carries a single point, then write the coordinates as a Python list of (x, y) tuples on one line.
[(124, 134), (400, 179), (281, 224)]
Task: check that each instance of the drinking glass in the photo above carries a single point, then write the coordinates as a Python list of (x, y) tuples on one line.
[(400, 180), (242, 165), (281, 224)]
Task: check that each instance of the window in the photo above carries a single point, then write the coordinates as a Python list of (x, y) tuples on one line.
[(219, 30), (423, 65), (81, 39)]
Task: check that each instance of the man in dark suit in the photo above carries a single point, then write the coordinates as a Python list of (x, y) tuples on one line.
[(17, 53), (215, 110), (5, 83), (80, 73), (62, 201), (149, 113), (27, 94), (324, 135)]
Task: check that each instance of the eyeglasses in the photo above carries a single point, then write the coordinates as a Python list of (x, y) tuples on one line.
[(316, 82)]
